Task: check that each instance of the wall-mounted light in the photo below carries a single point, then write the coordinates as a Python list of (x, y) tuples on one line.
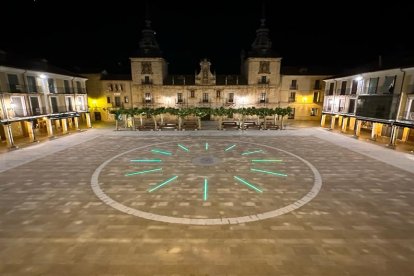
[(43, 76), (358, 78)]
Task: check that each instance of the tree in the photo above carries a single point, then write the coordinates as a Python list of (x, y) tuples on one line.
[(284, 112)]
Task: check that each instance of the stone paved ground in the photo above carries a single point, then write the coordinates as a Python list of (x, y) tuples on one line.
[(52, 223)]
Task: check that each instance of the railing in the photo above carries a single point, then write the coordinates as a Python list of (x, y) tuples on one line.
[(263, 101), (329, 92), (292, 100), (263, 82), (293, 87), (19, 88), (342, 91), (180, 102), (149, 82), (28, 112)]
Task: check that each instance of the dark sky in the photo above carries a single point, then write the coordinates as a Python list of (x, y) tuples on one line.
[(99, 35)]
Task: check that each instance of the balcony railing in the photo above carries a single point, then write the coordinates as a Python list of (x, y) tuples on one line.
[(293, 87), (342, 91), (19, 88), (28, 112), (147, 82), (291, 100)]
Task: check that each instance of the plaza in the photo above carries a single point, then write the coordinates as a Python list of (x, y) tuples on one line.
[(302, 201)]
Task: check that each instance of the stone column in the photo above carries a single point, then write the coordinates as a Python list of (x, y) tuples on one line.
[(344, 124), (70, 122), (49, 127), (30, 132), (76, 121), (405, 134), (9, 136), (393, 137), (64, 126), (352, 121), (333, 121), (358, 128), (379, 129), (340, 120), (57, 124), (323, 120), (374, 132), (88, 120)]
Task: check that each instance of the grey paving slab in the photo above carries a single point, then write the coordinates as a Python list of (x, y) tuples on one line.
[(361, 222)]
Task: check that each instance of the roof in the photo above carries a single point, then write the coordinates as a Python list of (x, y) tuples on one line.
[(307, 71), (42, 65)]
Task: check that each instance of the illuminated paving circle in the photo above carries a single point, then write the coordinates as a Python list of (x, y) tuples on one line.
[(206, 181)]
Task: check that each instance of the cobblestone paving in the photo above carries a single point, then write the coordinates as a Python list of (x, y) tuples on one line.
[(52, 223)]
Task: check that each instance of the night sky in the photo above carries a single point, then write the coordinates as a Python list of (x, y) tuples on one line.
[(83, 37)]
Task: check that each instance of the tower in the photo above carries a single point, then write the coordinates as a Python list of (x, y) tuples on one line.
[(147, 64), (262, 65)]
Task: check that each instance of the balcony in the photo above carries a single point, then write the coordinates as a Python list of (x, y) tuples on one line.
[(19, 88), (146, 82), (263, 101), (293, 87), (180, 102), (292, 100), (342, 91)]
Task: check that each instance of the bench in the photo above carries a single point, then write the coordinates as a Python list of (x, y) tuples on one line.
[(168, 126), (250, 124), (229, 124), (145, 126), (190, 125), (270, 126)]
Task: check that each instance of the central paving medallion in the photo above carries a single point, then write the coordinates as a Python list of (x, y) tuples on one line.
[(206, 181)]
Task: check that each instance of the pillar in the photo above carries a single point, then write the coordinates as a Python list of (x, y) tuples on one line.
[(88, 120), (30, 132), (70, 122), (379, 129), (344, 124), (9, 136), (76, 122), (49, 127), (352, 121), (323, 120), (57, 124), (25, 129), (405, 134), (374, 131), (393, 137), (358, 128), (340, 120), (333, 121), (64, 126)]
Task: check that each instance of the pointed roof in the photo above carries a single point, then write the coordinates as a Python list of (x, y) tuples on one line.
[(148, 45), (262, 45)]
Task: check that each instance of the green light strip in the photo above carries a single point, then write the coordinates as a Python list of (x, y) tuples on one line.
[(163, 183), (205, 189), (266, 160), (229, 148), (206, 146), (248, 184), (147, 160), (184, 148), (251, 152), (269, 172), (142, 172), (161, 152)]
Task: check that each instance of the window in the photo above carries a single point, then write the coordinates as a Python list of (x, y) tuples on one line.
[(126, 100), (54, 104), (118, 87), (179, 97), (329, 107), (317, 85), (373, 84), (108, 100), (316, 97), (117, 101), (264, 67), (231, 98), (263, 80), (146, 80), (192, 94), (354, 87), (34, 102), (351, 107), (218, 94), (262, 97), (18, 106), (388, 86), (69, 103), (80, 103), (292, 114), (205, 97), (66, 86), (13, 83), (292, 97), (31, 83), (51, 85), (78, 87), (343, 88), (110, 87), (314, 111), (294, 85), (331, 89), (146, 67), (147, 97), (341, 106)]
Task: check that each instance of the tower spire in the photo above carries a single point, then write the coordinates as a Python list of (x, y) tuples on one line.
[(148, 45)]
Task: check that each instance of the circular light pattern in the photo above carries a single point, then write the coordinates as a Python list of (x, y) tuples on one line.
[(206, 181)]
